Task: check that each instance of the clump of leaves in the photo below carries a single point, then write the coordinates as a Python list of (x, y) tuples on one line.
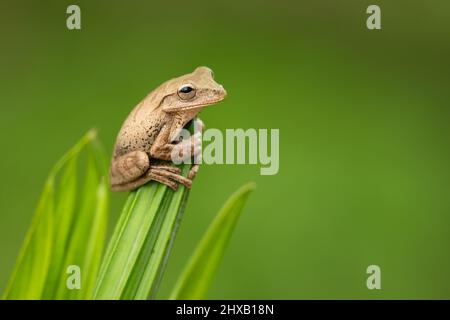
[(69, 226), (141, 242)]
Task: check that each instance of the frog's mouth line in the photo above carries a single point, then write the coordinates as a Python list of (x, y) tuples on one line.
[(194, 106)]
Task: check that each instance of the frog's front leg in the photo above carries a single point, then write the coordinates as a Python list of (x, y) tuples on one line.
[(200, 125), (163, 150), (166, 141)]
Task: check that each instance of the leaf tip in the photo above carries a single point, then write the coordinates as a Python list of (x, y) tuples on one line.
[(92, 134), (246, 188), (250, 186)]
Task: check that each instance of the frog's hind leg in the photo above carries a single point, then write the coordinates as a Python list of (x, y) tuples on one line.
[(133, 169), (170, 175), (166, 167), (128, 168), (166, 175), (143, 180)]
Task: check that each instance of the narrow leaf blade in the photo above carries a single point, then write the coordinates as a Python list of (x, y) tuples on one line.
[(88, 227), (198, 274), (30, 273), (40, 268), (63, 216), (150, 270), (128, 240)]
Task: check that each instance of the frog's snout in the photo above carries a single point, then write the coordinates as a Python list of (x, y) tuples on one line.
[(222, 92)]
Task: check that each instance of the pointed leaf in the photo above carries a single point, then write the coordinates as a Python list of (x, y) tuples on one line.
[(198, 274)]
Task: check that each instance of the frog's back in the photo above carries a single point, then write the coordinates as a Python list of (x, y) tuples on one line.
[(141, 127)]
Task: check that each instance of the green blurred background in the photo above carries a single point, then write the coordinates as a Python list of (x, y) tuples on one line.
[(363, 118)]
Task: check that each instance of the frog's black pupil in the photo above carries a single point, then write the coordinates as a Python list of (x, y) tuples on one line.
[(186, 89)]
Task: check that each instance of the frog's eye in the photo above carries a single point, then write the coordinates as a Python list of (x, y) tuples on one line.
[(186, 92)]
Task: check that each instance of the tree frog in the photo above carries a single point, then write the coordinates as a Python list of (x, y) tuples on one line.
[(150, 133)]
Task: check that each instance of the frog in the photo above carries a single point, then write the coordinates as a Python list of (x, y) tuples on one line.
[(150, 135)]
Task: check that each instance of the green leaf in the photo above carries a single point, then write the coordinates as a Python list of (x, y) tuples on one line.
[(140, 245), (198, 274), (87, 235), (63, 215), (58, 222), (148, 273), (28, 278), (140, 242)]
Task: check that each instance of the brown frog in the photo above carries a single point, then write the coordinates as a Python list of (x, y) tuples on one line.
[(149, 135)]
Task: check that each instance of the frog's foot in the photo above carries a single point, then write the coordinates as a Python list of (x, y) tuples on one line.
[(193, 172), (162, 179), (186, 149), (167, 167), (167, 176)]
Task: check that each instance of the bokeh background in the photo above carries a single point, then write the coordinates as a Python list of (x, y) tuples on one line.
[(363, 116)]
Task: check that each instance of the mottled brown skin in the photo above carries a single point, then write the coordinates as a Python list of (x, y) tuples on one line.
[(149, 134)]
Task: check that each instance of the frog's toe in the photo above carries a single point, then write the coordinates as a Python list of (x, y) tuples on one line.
[(164, 180), (167, 168), (172, 176), (193, 172)]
